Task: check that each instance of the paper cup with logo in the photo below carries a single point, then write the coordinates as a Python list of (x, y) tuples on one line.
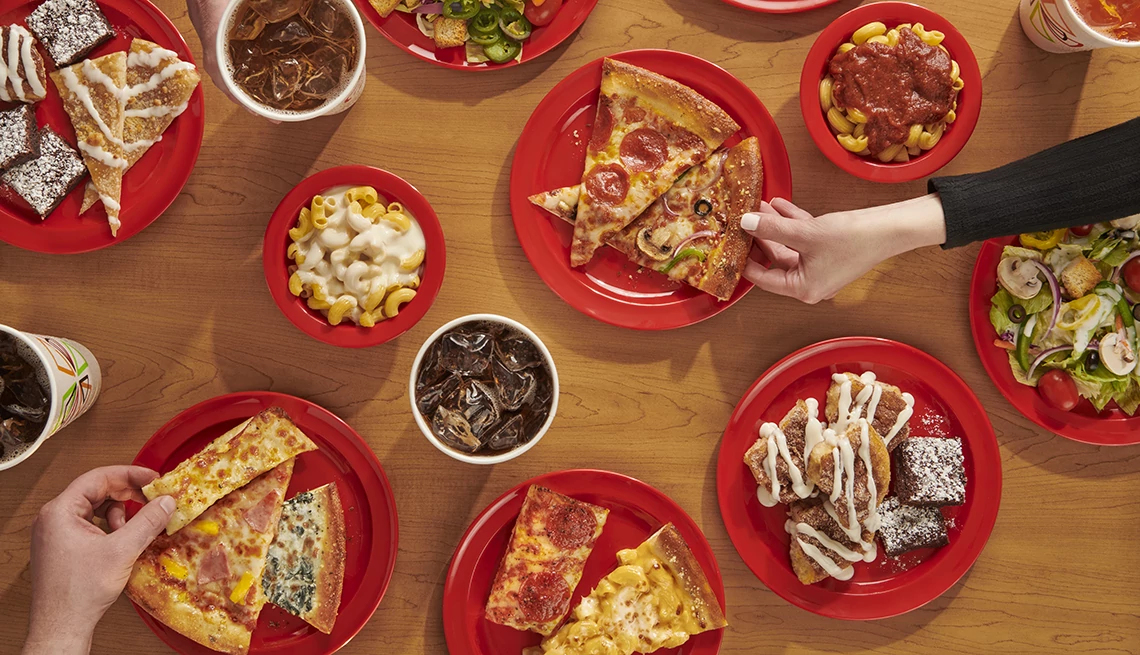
[(68, 373), (1055, 26), (350, 89)]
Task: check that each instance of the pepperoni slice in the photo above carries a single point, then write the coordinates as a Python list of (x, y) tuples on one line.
[(607, 184), (603, 125), (570, 526), (644, 150), (543, 596)]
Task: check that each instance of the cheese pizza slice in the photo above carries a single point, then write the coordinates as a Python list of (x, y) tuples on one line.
[(691, 233), (305, 571), (551, 541), (228, 463), (202, 581), (648, 130), (657, 598)]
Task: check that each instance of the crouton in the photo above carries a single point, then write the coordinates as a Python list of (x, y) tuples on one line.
[(384, 7), (1080, 277), (450, 32)]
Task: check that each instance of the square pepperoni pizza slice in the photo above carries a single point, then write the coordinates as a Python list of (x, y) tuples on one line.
[(550, 543), (649, 129)]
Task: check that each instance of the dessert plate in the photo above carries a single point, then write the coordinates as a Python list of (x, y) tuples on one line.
[(276, 262), (944, 406), (342, 457), (149, 187), (781, 6), (551, 153), (637, 510), (1112, 427), (401, 29)]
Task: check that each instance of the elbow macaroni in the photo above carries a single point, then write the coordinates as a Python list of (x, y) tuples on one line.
[(848, 123), (355, 256)]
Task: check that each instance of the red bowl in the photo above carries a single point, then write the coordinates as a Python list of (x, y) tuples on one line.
[(780, 6), (276, 262), (401, 30), (1111, 427), (957, 134)]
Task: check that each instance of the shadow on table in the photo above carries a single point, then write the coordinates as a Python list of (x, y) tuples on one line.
[(740, 24), (426, 80)]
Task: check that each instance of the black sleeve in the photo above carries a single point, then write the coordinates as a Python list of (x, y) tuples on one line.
[(1092, 179)]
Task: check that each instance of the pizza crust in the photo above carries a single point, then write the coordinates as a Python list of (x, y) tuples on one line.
[(213, 628), (744, 173), (670, 546), (671, 99), (330, 580)]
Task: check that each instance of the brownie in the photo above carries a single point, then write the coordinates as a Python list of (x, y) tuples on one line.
[(47, 179), (18, 142), (69, 29), (905, 528), (929, 472)]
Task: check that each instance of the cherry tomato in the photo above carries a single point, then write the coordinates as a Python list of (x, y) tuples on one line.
[(1131, 274), (1081, 230), (542, 15), (1059, 390)]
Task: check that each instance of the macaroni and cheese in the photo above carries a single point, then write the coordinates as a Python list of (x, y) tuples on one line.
[(356, 256)]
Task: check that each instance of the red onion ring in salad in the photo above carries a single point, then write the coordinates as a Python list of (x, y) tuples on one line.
[(1041, 358), (1055, 288)]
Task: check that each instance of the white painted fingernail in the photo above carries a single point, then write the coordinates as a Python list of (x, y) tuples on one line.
[(749, 222)]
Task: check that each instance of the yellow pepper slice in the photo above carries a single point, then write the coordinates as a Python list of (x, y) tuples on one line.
[(174, 568), (1042, 240), (242, 588), (1075, 313)]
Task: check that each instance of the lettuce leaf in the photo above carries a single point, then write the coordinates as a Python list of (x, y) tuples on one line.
[(1129, 399), (1021, 253)]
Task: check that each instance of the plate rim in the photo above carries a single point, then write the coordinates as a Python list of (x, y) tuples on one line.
[(612, 312), (986, 447), (780, 6), (268, 399)]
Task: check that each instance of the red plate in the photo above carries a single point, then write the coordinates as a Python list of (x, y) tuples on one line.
[(956, 135), (344, 458), (944, 406), (148, 188), (550, 154), (401, 29), (276, 263), (781, 6), (1112, 427), (637, 510)]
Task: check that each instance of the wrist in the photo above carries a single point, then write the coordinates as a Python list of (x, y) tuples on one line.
[(911, 224), (63, 635)]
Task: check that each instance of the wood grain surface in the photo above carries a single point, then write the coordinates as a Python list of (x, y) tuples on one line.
[(180, 314)]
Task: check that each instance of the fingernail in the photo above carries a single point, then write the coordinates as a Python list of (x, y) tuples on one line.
[(749, 222), (765, 206), (167, 503)]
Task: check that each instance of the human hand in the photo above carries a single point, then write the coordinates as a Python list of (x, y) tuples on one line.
[(813, 257), (78, 570), (206, 15)]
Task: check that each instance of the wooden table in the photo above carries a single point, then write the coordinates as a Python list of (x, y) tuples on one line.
[(180, 314)]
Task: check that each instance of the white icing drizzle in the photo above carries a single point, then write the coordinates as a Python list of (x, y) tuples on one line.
[(824, 562), (102, 156), (778, 445), (71, 81), (150, 58), (158, 78), (872, 521), (870, 396), (856, 535), (156, 112), (14, 55), (829, 543), (902, 419)]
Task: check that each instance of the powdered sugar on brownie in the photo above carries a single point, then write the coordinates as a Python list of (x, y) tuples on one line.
[(17, 136), (46, 180), (905, 528), (929, 472), (69, 29)]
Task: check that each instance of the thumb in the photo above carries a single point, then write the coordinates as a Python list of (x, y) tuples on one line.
[(774, 227), (138, 532)]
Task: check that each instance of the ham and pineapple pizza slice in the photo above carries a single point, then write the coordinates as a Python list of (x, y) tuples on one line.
[(649, 130), (691, 233), (228, 463), (657, 598), (203, 581), (551, 541)]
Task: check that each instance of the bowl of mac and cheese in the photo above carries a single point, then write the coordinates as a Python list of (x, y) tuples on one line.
[(890, 92), (354, 256)]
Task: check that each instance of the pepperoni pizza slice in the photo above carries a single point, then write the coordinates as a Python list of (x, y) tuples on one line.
[(649, 130), (204, 580), (551, 541), (691, 233)]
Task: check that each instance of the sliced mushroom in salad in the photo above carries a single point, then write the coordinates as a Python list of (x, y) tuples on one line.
[(490, 30), (1069, 301)]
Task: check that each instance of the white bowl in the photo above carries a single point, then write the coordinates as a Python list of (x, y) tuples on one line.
[(483, 459), (341, 102)]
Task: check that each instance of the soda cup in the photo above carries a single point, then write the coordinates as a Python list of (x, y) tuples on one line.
[(67, 373), (1055, 26)]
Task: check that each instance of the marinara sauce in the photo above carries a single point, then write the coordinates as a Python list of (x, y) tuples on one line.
[(895, 87)]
